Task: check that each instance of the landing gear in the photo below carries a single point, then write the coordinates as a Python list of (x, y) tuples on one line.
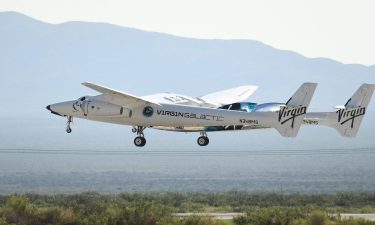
[(203, 139), (140, 140), (68, 128)]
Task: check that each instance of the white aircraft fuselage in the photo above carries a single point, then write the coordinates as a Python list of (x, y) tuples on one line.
[(206, 114)]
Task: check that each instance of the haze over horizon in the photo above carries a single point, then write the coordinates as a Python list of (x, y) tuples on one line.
[(336, 29)]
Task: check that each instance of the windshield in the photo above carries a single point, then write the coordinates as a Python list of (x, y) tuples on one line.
[(240, 106)]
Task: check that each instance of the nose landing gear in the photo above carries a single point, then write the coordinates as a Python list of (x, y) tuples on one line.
[(140, 140), (203, 139), (68, 128)]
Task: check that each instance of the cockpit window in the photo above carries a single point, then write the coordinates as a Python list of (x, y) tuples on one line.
[(240, 106), (82, 99), (235, 106), (248, 106), (224, 107)]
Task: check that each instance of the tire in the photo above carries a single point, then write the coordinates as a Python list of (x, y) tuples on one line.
[(203, 141), (139, 141), (68, 130)]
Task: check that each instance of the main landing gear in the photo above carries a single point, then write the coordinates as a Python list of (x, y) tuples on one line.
[(140, 140), (68, 128), (203, 139)]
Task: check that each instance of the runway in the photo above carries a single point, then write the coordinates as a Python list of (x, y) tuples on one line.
[(230, 216), (216, 216)]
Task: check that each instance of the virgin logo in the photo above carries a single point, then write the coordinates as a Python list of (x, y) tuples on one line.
[(346, 115), (286, 114)]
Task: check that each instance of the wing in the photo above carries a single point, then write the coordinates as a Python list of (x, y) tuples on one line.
[(172, 98), (116, 97), (229, 96)]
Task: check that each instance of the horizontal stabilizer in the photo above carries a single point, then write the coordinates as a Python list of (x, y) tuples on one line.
[(347, 119)]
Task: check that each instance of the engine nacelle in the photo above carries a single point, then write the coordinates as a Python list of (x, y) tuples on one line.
[(90, 107)]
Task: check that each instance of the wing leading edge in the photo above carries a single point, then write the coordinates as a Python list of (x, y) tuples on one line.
[(117, 97), (215, 99)]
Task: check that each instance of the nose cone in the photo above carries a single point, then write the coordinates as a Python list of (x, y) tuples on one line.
[(62, 108), (53, 110)]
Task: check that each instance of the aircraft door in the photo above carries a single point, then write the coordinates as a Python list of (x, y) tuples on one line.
[(85, 107)]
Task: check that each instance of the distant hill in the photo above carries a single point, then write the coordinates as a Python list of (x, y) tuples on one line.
[(47, 62)]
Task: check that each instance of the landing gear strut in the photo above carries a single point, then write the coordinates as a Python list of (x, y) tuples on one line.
[(203, 139), (70, 120), (140, 140)]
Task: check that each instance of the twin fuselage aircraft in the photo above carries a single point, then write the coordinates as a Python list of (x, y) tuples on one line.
[(220, 111)]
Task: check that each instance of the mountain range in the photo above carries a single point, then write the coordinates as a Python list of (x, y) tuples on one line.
[(42, 63)]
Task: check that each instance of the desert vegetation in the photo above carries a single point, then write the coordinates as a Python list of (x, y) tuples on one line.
[(160, 208)]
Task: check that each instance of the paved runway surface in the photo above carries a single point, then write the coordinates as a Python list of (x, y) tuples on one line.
[(218, 216), (230, 216), (370, 217)]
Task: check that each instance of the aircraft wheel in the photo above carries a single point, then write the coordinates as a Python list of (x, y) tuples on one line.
[(139, 141), (203, 141), (68, 129)]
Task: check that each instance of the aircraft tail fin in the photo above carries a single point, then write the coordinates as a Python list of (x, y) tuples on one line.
[(290, 116), (349, 116)]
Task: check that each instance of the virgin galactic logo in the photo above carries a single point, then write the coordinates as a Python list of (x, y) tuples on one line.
[(148, 111)]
